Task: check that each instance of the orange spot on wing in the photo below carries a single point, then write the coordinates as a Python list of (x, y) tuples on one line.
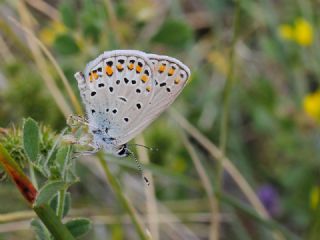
[(144, 78), (119, 67), (95, 75), (162, 68), (148, 88), (171, 72), (138, 69), (177, 80), (130, 66), (109, 71)]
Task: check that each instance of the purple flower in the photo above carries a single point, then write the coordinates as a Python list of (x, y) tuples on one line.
[(269, 197)]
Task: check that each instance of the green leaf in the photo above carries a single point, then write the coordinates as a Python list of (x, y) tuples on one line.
[(79, 226), (174, 33), (62, 157), (66, 44), (92, 31), (67, 203), (31, 138), (48, 191), (41, 231), (68, 14)]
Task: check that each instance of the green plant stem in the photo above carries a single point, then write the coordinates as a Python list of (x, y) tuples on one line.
[(226, 96), (33, 175), (126, 204), (23, 183), (61, 198), (224, 119), (53, 223), (25, 186)]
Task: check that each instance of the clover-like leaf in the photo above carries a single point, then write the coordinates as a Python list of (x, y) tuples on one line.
[(41, 231), (79, 226), (48, 191), (31, 139)]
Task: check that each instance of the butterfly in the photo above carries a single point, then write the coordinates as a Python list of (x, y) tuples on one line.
[(124, 91)]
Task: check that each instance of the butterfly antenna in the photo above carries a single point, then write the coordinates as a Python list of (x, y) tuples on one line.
[(146, 180), (140, 145)]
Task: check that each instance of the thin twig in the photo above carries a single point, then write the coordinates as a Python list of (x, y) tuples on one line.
[(204, 178), (215, 232), (227, 164), (42, 66), (5, 52), (63, 77), (151, 201), (113, 21), (214, 151), (45, 8), (123, 199)]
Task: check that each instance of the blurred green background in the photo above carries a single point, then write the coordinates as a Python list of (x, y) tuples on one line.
[(254, 85)]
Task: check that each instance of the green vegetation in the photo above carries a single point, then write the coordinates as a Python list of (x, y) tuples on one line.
[(238, 152)]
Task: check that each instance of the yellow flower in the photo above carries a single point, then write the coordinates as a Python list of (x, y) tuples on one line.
[(303, 33), (311, 105), (286, 31), (218, 59), (48, 34), (315, 197)]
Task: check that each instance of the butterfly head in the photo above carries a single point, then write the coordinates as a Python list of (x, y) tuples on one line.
[(122, 151)]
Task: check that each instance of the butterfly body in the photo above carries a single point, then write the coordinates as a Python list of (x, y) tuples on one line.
[(124, 91)]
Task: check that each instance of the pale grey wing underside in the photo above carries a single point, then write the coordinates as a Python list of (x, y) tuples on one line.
[(118, 85), (169, 76)]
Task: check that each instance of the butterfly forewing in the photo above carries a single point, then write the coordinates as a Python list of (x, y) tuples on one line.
[(118, 87), (169, 77)]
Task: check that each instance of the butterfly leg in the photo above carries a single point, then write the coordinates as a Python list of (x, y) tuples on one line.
[(74, 121), (95, 149)]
